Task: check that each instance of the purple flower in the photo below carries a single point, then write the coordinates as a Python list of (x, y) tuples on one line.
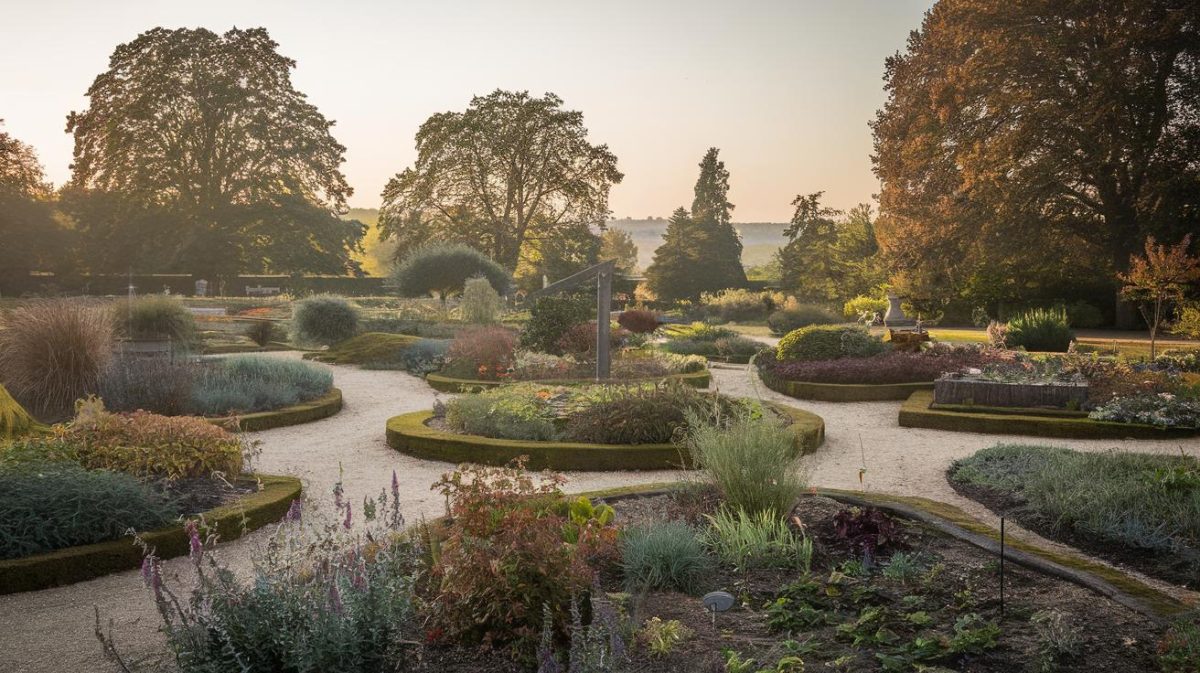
[(349, 516), (335, 599), (195, 546), (293, 513), (395, 486)]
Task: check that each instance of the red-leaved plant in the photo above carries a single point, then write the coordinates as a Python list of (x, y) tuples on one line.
[(638, 321), (485, 353)]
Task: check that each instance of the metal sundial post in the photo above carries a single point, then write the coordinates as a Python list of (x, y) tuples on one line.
[(603, 311)]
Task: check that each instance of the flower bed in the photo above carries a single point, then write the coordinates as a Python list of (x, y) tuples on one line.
[(447, 384)]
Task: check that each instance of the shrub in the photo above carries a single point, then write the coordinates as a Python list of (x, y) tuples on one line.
[(52, 352), (752, 462), (484, 353), (481, 304), (639, 322), (666, 555), (1058, 639), (249, 383), (1187, 322), (1083, 315), (636, 416), (14, 420), (156, 316), (862, 304), (757, 540), (262, 332), (699, 331), (885, 368), (580, 340), (1040, 330), (997, 334), (445, 268), (159, 384), (868, 530), (550, 318), (740, 305), (502, 413), (1163, 409), (424, 356), (369, 348), (802, 315), (323, 320), (50, 506), (828, 343)]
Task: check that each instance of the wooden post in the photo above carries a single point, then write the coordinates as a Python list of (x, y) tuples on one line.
[(603, 311)]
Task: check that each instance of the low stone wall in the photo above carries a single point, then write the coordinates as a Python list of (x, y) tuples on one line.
[(1000, 394)]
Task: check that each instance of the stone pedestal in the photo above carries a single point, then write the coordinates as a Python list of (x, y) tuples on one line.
[(895, 315)]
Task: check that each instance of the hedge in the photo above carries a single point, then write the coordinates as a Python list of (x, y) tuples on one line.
[(447, 384), (918, 412), (313, 410), (845, 392), (84, 562), (410, 434)]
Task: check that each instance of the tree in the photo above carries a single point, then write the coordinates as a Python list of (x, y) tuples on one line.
[(675, 273), (444, 268), (618, 244), (505, 174), (1028, 144), (1159, 277), (197, 154), (31, 236)]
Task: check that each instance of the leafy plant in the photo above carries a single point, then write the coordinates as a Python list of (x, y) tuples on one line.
[(663, 636), (904, 567), (550, 319), (152, 316), (445, 268), (1040, 330), (323, 320), (158, 384), (643, 414), (638, 321), (887, 367), (828, 343), (481, 303), (751, 461), (1058, 639), (739, 304), (665, 555), (262, 332), (484, 353), (868, 530), (796, 316), (1179, 649), (249, 383), (1162, 409), (862, 304), (757, 540), (503, 413)]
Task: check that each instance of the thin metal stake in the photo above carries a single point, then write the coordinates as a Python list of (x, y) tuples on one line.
[(1001, 568)]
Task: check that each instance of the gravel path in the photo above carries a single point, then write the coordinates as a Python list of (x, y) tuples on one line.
[(51, 630)]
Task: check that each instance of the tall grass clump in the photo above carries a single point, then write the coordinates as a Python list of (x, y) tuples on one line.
[(323, 320), (156, 316), (481, 304), (751, 461), (761, 540), (52, 352), (1040, 329), (249, 383), (14, 420), (666, 555)]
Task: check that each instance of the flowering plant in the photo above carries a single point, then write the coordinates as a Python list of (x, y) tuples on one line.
[(1163, 409)]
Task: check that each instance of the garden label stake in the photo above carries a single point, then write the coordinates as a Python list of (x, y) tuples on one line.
[(1001, 568)]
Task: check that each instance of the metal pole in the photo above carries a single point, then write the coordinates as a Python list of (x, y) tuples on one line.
[(1002, 568), (603, 311)]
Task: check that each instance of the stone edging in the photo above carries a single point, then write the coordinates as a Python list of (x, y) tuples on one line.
[(409, 434), (84, 562), (313, 410), (916, 412), (447, 384)]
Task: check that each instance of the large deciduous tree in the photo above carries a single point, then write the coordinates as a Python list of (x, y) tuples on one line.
[(196, 154), (30, 237), (512, 175), (1026, 144)]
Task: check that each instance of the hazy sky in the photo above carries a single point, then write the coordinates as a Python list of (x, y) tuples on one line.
[(785, 88)]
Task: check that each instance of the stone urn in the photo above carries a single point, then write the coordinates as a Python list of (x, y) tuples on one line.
[(895, 315)]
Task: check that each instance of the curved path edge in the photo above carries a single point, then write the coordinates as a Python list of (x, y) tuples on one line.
[(313, 410)]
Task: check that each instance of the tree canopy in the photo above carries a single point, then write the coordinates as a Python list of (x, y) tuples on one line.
[(617, 244), (1027, 146), (513, 175), (830, 255), (197, 154), (445, 268), (30, 235)]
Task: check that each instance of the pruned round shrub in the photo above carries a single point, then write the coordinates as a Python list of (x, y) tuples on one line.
[(483, 353), (481, 304), (1040, 330), (828, 343), (52, 352), (50, 506), (156, 316), (639, 321), (323, 320), (444, 268), (855, 308), (801, 315), (550, 319)]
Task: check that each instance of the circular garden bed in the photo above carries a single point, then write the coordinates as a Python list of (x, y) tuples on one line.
[(449, 384), (313, 410)]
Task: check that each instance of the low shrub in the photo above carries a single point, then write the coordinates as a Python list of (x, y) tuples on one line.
[(481, 303), (263, 332), (424, 356), (639, 322), (751, 461), (637, 415), (14, 420), (1083, 315), (710, 341), (53, 351), (828, 343), (156, 316), (550, 319), (666, 555), (885, 368), (997, 334), (50, 506), (862, 305), (501, 414), (249, 383), (802, 315), (740, 305), (484, 353), (158, 384), (1180, 361), (1040, 330), (580, 340), (1164, 410), (323, 320), (1187, 321), (699, 331), (762, 540)]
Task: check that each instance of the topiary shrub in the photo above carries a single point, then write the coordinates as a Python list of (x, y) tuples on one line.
[(862, 305), (52, 352), (550, 319), (445, 268), (828, 343), (638, 321), (157, 316), (1040, 330), (323, 320), (50, 506), (481, 304), (801, 315)]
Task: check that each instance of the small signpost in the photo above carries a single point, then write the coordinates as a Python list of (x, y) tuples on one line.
[(603, 274)]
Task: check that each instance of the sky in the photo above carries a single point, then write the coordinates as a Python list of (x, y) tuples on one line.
[(784, 88)]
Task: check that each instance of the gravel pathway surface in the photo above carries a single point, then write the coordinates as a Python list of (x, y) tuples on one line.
[(52, 630)]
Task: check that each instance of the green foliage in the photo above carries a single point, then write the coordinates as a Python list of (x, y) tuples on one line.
[(1187, 322), (665, 555), (445, 268), (1179, 649), (152, 316), (1040, 330), (795, 316), (1083, 315), (263, 332), (828, 343), (663, 636), (50, 506), (550, 319), (249, 383), (483, 353), (323, 320), (14, 420), (855, 308), (903, 567), (830, 255), (644, 415), (503, 414), (159, 384), (33, 237), (617, 244), (1164, 410), (709, 341), (752, 462), (53, 351), (1058, 640), (764, 539), (740, 305), (481, 304), (368, 348)]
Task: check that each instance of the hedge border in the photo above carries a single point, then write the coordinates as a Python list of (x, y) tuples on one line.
[(409, 434), (845, 392), (447, 384), (916, 412), (313, 410), (84, 562)]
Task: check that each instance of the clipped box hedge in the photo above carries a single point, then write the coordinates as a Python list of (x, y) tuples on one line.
[(76, 564), (448, 384), (845, 392), (920, 412), (410, 434), (313, 410)]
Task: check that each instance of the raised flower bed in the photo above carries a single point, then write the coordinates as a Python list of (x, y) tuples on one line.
[(974, 390)]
